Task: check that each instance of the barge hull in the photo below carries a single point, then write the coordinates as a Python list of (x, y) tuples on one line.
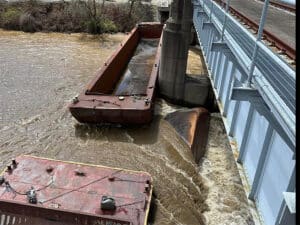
[(98, 103)]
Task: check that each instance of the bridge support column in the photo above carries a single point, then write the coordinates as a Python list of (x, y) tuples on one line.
[(174, 54), (173, 82)]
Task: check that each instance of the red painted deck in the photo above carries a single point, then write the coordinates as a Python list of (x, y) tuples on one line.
[(71, 193)]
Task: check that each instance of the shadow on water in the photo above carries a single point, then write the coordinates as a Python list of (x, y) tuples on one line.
[(146, 134), (153, 208)]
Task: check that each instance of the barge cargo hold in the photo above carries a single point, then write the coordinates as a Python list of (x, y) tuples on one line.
[(39, 191), (123, 89)]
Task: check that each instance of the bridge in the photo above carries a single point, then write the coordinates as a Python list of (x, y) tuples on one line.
[(255, 91)]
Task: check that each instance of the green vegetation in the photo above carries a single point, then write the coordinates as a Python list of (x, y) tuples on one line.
[(75, 16), (101, 26), (10, 18)]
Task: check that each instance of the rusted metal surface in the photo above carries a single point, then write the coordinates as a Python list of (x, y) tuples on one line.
[(107, 77), (70, 193), (26, 214), (192, 125), (150, 29), (278, 43), (98, 103)]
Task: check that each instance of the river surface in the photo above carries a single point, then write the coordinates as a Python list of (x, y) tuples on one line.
[(39, 75)]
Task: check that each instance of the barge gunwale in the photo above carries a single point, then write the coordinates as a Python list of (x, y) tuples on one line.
[(93, 106)]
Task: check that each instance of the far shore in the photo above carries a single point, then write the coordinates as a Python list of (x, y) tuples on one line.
[(95, 17)]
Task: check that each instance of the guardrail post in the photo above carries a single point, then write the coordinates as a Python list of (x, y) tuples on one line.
[(225, 19), (211, 10), (259, 35)]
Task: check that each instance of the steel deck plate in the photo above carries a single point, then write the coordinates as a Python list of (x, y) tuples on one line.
[(71, 192)]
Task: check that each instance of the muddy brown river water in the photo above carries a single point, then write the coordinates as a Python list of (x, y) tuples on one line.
[(39, 75)]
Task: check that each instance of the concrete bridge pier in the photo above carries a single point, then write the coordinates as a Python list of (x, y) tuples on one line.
[(174, 84)]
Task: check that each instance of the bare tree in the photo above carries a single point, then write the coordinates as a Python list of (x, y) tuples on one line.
[(90, 5), (131, 7), (102, 6), (94, 9)]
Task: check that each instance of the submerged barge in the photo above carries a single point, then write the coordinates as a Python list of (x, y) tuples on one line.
[(123, 89), (36, 191)]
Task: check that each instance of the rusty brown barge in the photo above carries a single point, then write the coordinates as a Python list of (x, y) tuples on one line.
[(123, 89), (40, 191)]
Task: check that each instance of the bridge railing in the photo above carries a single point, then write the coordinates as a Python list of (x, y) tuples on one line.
[(273, 74), (260, 119)]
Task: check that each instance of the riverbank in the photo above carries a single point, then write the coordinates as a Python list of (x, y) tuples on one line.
[(74, 16)]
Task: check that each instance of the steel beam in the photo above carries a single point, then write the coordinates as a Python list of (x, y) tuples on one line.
[(219, 66), (222, 84), (284, 212), (242, 151), (261, 163), (222, 76), (233, 120), (254, 97), (223, 48), (227, 98)]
